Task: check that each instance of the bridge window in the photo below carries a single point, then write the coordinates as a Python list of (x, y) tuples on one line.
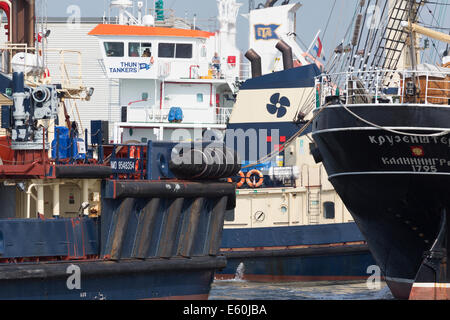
[(175, 50), (166, 50), (183, 51), (114, 49), (328, 210), (138, 49), (134, 49)]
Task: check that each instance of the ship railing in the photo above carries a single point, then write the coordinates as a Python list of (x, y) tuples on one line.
[(67, 69), (161, 115), (31, 64), (47, 66), (163, 17), (223, 115), (385, 86)]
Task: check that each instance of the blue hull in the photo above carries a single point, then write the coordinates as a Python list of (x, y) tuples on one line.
[(128, 280), (304, 253)]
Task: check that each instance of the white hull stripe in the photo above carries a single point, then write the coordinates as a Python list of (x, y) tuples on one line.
[(398, 105), (388, 173), (374, 128)]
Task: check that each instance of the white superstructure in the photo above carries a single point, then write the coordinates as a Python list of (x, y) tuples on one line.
[(170, 78)]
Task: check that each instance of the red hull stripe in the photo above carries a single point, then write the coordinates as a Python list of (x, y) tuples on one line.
[(430, 291)]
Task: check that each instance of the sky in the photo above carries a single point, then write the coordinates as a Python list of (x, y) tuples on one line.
[(312, 16)]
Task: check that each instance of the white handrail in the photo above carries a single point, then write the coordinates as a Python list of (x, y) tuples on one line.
[(431, 86)]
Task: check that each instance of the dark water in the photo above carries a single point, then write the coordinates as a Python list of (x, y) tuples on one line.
[(324, 290)]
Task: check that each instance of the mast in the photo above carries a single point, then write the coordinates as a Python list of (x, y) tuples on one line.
[(412, 46), (412, 37)]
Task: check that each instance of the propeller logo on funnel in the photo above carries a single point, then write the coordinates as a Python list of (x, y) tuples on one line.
[(278, 105)]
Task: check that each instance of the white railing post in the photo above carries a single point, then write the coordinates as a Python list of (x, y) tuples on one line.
[(377, 79), (426, 89), (346, 88), (402, 88)]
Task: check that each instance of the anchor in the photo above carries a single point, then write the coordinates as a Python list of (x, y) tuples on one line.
[(431, 282)]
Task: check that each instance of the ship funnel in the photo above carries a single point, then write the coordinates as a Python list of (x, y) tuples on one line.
[(255, 61), (288, 61), (23, 22)]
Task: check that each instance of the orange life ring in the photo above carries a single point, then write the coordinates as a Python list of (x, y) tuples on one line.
[(256, 184), (241, 182)]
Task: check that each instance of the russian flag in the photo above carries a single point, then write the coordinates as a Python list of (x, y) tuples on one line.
[(318, 48)]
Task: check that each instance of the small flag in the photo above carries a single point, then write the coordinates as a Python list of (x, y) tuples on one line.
[(318, 48)]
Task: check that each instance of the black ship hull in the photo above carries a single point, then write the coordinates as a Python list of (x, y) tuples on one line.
[(395, 185)]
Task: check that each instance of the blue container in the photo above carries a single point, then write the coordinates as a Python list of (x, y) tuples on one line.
[(64, 143)]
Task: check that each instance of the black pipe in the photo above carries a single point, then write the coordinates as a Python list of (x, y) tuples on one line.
[(48, 271), (270, 3), (171, 189), (255, 60), (210, 163), (82, 171), (288, 60)]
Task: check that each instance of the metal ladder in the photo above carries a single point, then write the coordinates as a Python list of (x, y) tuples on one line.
[(314, 200)]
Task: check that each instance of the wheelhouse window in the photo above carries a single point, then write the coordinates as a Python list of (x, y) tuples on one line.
[(138, 49), (166, 50), (183, 51), (114, 49), (134, 49), (146, 49), (175, 50), (328, 210)]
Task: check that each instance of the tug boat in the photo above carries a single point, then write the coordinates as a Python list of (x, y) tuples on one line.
[(289, 224), (382, 133), (98, 220)]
